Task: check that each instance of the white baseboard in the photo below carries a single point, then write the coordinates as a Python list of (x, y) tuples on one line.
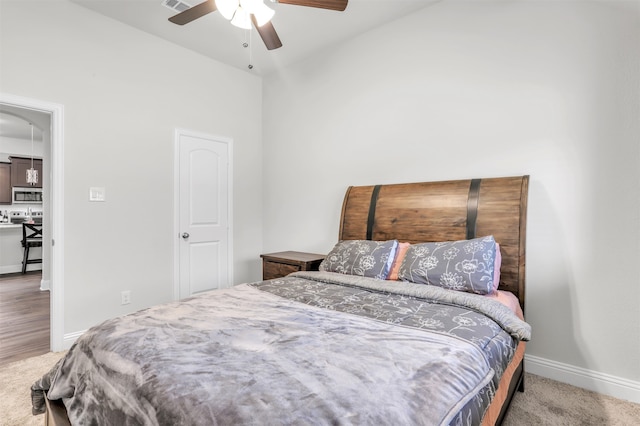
[(70, 338), (606, 384), (45, 285), (12, 269)]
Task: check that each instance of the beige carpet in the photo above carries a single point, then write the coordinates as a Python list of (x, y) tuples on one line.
[(550, 403), (15, 392), (544, 402)]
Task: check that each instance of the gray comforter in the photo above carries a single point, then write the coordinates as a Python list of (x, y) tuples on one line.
[(255, 355)]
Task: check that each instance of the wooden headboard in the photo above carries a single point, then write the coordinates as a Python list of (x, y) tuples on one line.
[(445, 211)]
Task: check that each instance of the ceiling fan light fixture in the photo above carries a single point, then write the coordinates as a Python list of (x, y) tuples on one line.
[(227, 8), (241, 19), (263, 14), (239, 12), (250, 5)]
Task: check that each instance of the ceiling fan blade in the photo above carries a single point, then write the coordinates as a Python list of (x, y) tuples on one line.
[(194, 13), (268, 34), (339, 5)]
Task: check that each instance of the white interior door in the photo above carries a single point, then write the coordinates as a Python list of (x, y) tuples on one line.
[(203, 212)]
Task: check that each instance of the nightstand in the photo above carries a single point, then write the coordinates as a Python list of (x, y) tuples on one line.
[(277, 265)]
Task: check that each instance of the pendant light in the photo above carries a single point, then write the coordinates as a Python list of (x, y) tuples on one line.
[(32, 174)]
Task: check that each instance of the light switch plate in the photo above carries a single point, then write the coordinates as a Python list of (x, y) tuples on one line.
[(97, 194)]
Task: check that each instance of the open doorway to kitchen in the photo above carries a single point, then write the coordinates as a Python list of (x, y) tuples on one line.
[(47, 119)]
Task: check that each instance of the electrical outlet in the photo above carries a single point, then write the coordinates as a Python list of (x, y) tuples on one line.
[(126, 297)]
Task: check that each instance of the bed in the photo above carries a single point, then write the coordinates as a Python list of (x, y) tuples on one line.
[(401, 325)]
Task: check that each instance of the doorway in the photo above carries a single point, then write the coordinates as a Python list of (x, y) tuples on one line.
[(202, 207), (53, 219)]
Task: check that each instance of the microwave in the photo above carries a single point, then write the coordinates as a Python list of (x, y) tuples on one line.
[(27, 195)]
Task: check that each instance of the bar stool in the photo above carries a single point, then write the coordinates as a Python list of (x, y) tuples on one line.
[(32, 239)]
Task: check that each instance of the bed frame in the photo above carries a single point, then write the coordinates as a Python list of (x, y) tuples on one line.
[(437, 211), (451, 211)]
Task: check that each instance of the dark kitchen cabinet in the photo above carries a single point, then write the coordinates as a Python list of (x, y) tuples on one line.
[(19, 167), (5, 183)]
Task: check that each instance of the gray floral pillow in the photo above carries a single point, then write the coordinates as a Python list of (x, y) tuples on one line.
[(466, 265), (361, 257)]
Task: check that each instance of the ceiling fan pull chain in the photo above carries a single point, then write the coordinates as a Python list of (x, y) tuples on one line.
[(247, 43), (250, 49)]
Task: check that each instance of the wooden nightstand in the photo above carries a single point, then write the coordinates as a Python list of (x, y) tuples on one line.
[(277, 265)]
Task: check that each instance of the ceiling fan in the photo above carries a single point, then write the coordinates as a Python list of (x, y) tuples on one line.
[(245, 13)]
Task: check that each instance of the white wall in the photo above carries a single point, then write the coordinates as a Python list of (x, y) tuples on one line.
[(480, 89), (124, 92)]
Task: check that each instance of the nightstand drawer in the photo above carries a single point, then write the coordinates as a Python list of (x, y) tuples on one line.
[(277, 265), (271, 270)]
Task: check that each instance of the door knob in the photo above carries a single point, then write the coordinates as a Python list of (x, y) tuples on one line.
[(185, 235)]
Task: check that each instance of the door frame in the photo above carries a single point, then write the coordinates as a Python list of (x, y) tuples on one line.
[(178, 133), (56, 196)]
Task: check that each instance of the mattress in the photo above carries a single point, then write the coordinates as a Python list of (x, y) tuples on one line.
[(310, 348)]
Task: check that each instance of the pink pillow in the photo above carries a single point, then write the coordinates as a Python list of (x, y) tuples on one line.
[(395, 267), (496, 267), (509, 300)]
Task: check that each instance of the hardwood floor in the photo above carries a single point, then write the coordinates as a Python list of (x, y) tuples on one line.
[(24, 317)]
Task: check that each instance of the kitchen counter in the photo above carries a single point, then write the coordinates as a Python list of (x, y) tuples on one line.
[(10, 225)]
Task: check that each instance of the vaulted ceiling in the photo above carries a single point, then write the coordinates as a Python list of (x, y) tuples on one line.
[(304, 31)]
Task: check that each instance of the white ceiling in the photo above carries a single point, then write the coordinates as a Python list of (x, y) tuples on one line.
[(303, 30), (15, 123)]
